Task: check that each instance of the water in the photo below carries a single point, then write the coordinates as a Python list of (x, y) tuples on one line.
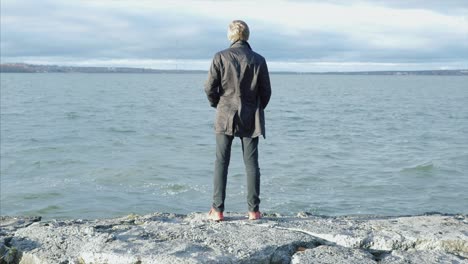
[(104, 145)]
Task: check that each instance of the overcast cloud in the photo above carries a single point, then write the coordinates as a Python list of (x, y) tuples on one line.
[(292, 35)]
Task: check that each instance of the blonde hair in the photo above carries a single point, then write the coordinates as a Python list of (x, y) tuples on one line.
[(238, 30)]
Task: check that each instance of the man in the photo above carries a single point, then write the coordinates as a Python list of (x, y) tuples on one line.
[(238, 86)]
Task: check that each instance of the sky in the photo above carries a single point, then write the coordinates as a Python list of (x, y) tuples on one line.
[(293, 35)]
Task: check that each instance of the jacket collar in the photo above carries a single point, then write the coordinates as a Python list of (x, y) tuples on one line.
[(240, 44)]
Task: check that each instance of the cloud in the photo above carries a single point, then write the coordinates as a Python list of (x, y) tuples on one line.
[(450, 7), (385, 32), (56, 28)]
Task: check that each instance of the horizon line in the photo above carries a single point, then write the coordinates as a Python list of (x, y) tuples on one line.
[(460, 70)]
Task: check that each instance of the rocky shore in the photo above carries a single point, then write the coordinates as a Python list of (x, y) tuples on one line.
[(171, 238)]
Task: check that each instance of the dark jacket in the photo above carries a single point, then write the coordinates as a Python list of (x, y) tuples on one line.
[(238, 86)]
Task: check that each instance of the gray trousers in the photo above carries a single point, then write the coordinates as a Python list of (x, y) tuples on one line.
[(223, 156)]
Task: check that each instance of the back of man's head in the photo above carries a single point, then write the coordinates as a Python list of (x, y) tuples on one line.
[(238, 30)]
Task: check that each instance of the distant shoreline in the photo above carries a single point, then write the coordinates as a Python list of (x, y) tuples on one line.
[(35, 68)]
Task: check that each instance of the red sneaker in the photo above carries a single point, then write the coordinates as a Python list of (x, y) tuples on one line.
[(255, 215), (215, 215)]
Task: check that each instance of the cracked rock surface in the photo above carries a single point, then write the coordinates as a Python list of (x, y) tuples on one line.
[(171, 238)]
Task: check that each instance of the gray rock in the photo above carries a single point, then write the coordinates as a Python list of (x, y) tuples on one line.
[(421, 256), (330, 254), (170, 238)]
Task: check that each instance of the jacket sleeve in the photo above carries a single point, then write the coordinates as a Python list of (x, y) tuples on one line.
[(264, 85), (213, 82)]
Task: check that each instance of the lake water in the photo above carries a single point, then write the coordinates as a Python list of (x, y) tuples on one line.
[(104, 145)]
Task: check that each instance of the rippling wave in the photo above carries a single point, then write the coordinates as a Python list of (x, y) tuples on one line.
[(427, 166), (103, 145)]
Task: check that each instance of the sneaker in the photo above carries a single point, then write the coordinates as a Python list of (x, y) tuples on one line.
[(215, 215), (255, 215)]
